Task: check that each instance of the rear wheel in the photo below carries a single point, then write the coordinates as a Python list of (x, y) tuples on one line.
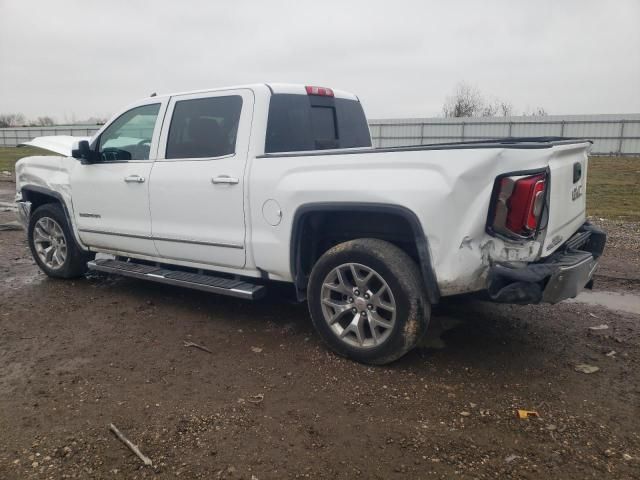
[(52, 244), (367, 301)]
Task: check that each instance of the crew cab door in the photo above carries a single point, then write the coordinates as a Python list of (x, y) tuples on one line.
[(197, 185), (111, 195)]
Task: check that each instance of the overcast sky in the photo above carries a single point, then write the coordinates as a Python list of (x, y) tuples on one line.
[(402, 58)]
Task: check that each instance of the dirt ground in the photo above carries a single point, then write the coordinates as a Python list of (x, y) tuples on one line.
[(271, 402)]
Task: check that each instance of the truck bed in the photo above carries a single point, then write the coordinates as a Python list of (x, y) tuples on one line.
[(509, 142)]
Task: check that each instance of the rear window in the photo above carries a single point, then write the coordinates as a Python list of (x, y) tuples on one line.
[(306, 122)]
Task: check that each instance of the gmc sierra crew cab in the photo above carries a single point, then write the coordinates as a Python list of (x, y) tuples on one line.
[(232, 189)]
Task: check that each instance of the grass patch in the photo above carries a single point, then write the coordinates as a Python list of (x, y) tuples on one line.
[(613, 185), (10, 155), (613, 188)]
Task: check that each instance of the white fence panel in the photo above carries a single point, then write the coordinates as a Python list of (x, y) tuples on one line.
[(611, 134), (10, 137)]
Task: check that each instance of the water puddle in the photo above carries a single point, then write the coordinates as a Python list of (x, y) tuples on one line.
[(624, 302), (21, 279), (8, 207)]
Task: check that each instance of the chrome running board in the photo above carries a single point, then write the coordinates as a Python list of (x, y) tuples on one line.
[(197, 281)]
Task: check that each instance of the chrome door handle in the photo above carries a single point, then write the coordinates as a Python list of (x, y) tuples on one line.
[(134, 179), (226, 179)]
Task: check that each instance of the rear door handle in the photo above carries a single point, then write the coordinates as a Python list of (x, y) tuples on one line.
[(134, 179), (226, 179)]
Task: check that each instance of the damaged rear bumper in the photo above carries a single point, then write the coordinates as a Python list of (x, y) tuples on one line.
[(562, 275)]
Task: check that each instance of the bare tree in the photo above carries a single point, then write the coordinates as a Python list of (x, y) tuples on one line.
[(505, 108), (44, 122), (489, 110), (539, 112), (465, 102), (97, 120), (497, 108), (12, 120), (468, 101)]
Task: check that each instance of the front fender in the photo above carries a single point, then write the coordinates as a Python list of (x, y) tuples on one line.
[(42, 178)]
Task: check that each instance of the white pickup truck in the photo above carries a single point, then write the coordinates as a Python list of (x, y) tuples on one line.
[(229, 190)]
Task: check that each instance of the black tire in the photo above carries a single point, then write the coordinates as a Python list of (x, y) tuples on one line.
[(400, 272), (75, 263)]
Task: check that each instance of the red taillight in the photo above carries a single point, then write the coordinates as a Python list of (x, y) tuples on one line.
[(518, 205), (320, 91)]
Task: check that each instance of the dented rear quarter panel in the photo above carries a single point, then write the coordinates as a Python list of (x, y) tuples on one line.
[(448, 190)]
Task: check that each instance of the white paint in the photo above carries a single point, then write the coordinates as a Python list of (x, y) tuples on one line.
[(62, 144), (187, 204), (100, 189)]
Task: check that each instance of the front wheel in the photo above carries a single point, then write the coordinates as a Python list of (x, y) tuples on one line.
[(52, 244), (367, 301)]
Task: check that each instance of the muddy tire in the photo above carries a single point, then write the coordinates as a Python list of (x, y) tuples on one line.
[(367, 301), (52, 243)]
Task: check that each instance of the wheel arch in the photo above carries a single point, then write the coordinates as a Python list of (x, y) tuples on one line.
[(38, 196), (307, 217)]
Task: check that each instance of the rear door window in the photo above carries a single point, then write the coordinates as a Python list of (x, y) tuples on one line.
[(204, 127)]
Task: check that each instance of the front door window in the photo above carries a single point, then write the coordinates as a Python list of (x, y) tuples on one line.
[(129, 136)]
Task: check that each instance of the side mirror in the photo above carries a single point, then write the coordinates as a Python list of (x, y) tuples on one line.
[(83, 152)]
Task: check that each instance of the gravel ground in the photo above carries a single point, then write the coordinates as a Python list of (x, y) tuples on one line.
[(622, 264), (271, 402)]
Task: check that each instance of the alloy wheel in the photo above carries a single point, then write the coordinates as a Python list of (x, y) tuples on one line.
[(358, 305), (50, 243)]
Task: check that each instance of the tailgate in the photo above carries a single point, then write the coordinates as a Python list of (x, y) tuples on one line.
[(567, 197)]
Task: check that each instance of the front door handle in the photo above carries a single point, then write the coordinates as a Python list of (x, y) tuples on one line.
[(134, 179), (226, 179)]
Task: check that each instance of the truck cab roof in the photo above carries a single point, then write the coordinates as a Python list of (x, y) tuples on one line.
[(266, 89)]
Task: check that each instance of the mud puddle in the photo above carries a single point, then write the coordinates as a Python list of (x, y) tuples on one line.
[(23, 278), (622, 302)]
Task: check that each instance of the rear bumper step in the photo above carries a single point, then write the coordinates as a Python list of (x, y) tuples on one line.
[(197, 281)]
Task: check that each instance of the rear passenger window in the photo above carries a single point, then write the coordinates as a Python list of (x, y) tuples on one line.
[(204, 127)]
